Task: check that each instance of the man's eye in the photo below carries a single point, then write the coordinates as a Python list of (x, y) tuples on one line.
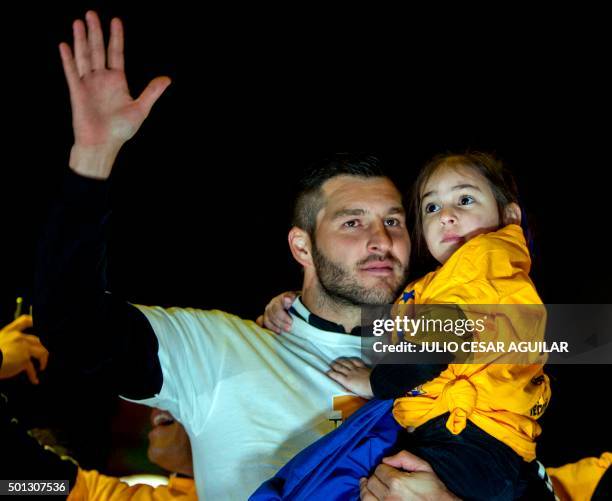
[(353, 223), (392, 222), (466, 200), (430, 208)]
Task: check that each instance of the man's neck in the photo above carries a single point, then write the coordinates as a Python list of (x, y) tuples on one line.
[(324, 306)]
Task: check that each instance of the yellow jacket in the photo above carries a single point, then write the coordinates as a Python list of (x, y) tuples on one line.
[(502, 399), (91, 485)]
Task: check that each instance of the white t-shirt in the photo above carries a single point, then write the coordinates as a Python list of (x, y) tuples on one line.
[(249, 399)]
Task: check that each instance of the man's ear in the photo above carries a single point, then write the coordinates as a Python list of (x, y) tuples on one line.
[(300, 245), (512, 214)]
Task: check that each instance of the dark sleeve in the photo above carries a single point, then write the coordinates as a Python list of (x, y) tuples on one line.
[(398, 373), (75, 315), (395, 380)]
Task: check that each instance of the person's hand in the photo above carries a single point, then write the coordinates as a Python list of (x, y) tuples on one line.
[(104, 115), (18, 349), (404, 476), (275, 315), (353, 374)]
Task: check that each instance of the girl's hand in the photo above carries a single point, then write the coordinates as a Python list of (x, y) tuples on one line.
[(353, 374), (275, 316)]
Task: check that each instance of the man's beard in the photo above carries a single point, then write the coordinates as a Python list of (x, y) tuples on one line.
[(343, 286)]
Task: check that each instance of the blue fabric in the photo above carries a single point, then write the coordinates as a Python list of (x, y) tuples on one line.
[(330, 468)]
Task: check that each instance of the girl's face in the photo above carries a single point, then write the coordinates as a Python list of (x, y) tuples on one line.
[(457, 204)]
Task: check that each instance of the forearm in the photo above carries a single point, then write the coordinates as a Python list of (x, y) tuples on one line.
[(395, 380), (95, 162), (70, 275), (74, 314)]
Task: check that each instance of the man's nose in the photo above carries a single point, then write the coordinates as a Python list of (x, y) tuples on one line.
[(447, 216), (380, 240)]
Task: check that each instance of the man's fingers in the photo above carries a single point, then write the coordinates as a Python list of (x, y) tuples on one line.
[(152, 92), (19, 324), (260, 320), (364, 493), (407, 461), (377, 486), (95, 41), (81, 48), (115, 46), (31, 372), (70, 68)]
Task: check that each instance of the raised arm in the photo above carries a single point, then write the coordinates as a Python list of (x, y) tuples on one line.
[(74, 313), (104, 115)]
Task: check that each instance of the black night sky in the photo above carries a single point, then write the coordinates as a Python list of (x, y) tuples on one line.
[(202, 194)]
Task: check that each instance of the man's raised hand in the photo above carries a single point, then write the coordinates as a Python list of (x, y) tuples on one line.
[(104, 115)]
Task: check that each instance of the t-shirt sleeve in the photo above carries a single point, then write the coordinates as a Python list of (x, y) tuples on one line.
[(193, 345)]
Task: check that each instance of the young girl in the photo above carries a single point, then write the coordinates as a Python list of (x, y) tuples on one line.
[(476, 423)]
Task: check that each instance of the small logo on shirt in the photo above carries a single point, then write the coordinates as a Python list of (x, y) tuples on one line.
[(343, 406), (415, 392), (539, 408)]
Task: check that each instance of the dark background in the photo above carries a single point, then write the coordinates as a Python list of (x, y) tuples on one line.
[(202, 194)]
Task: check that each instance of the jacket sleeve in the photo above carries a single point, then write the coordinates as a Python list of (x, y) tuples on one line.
[(75, 315)]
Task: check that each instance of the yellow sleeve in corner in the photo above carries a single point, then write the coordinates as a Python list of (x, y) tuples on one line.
[(92, 485), (578, 481)]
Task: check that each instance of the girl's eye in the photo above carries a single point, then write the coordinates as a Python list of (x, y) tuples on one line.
[(466, 200), (431, 208)]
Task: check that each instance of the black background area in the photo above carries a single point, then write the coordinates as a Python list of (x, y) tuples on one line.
[(202, 194)]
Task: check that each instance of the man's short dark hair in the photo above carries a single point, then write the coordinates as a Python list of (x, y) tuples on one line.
[(309, 200)]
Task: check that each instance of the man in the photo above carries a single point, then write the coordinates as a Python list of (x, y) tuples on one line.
[(249, 399)]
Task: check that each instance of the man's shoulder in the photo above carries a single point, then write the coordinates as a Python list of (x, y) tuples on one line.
[(194, 321)]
